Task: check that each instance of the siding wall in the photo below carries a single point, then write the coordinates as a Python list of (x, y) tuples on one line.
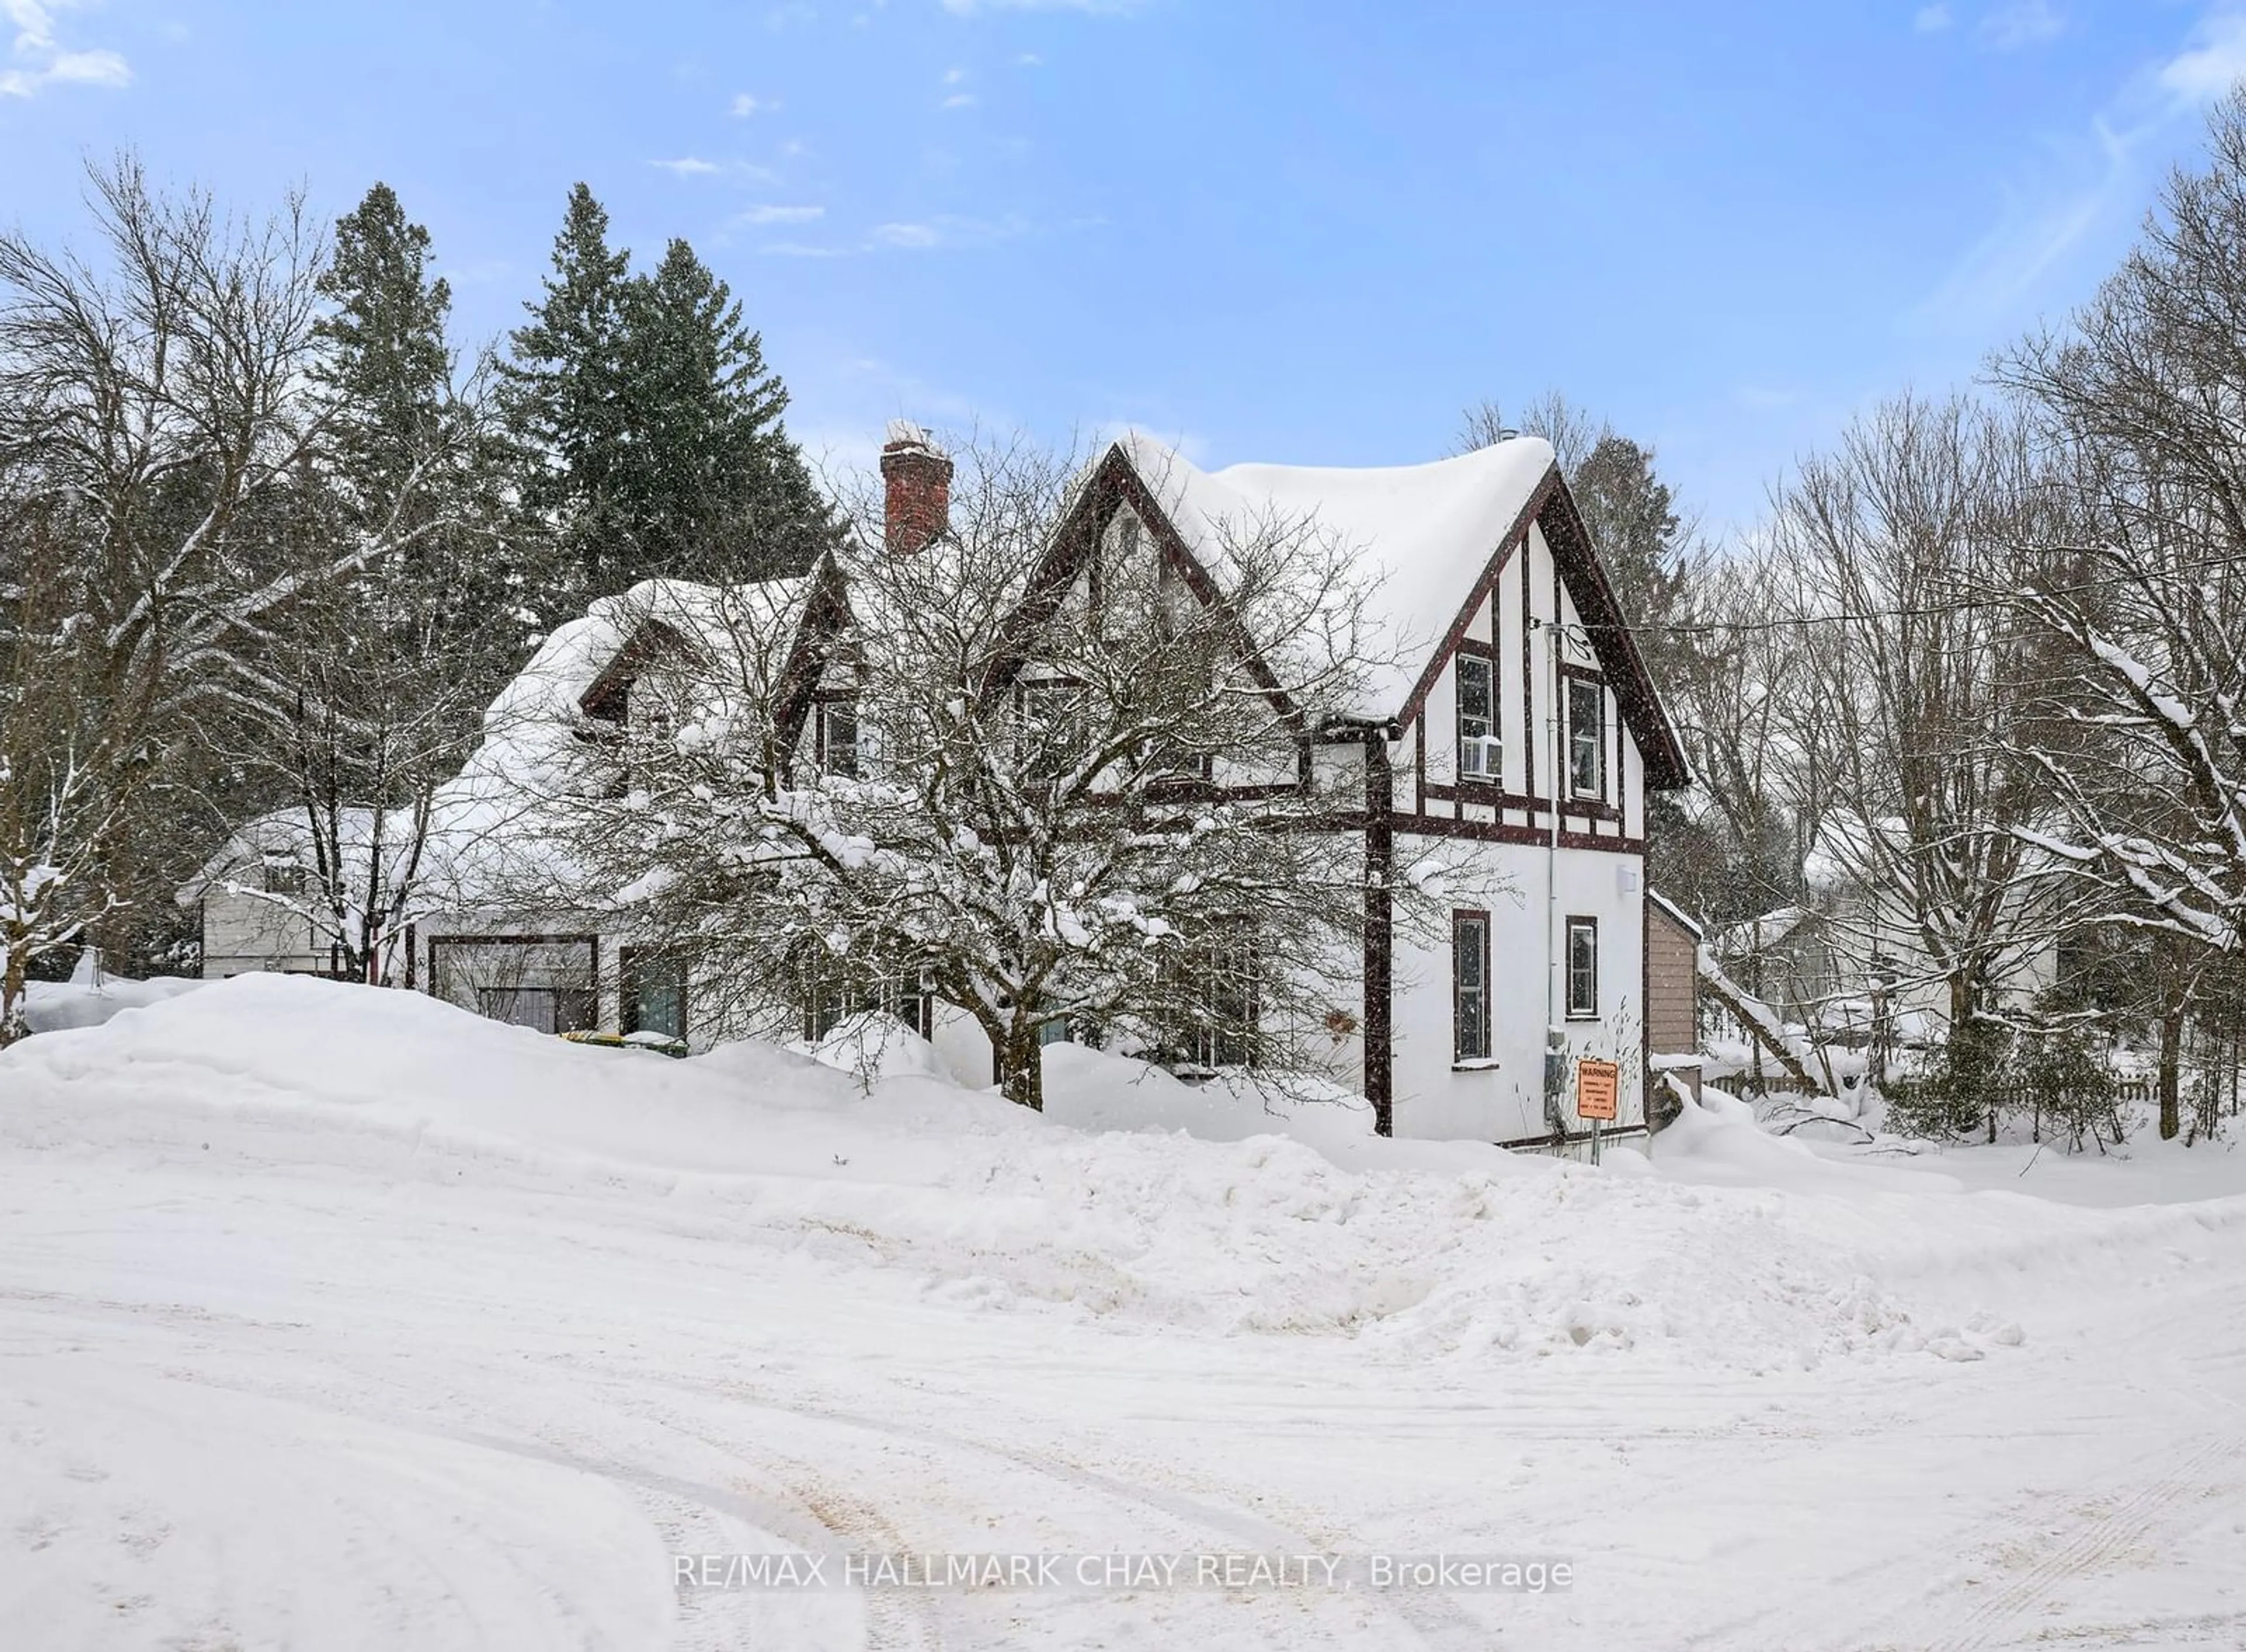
[(1672, 985)]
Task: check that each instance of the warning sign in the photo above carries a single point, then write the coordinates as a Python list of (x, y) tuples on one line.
[(1596, 1084)]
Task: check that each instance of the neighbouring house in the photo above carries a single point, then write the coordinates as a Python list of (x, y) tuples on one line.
[(1850, 967), (1513, 732), (479, 920)]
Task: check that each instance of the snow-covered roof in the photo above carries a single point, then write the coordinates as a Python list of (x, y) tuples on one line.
[(1429, 531), (1684, 921), (484, 817), (1769, 930)]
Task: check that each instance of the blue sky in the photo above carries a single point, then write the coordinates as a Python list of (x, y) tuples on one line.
[(1307, 233)]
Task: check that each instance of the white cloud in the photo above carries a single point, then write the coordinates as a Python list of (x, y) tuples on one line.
[(739, 171), (744, 105), (773, 215), (38, 57), (2209, 66), (2097, 182), (1027, 60), (2022, 23), (1932, 19), (953, 77), (913, 236), (945, 230), (928, 234), (959, 100)]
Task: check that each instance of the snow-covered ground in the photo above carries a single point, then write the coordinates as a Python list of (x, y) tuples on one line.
[(335, 1318)]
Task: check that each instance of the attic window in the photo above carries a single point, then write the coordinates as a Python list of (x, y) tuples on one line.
[(1479, 752), (1587, 735), (838, 737), (284, 879)]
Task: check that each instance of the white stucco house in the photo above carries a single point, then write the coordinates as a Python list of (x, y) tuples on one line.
[(1512, 732)]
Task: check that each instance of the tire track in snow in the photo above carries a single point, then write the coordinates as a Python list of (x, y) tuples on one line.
[(2130, 1519), (1435, 1621)]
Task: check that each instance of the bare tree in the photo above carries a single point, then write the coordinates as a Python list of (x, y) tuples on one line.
[(2141, 400), (1573, 431), (159, 417), (1923, 694), (72, 759), (1082, 782)]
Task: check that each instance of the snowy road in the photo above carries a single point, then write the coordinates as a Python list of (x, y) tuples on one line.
[(304, 1387)]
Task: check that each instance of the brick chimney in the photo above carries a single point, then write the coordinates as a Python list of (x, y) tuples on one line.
[(915, 489)]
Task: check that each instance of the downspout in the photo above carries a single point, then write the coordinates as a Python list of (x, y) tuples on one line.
[(1555, 1042)]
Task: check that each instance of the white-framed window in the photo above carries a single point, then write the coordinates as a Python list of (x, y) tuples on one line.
[(838, 737), (1582, 968), (1587, 737), (1470, 986), (1474, 678)]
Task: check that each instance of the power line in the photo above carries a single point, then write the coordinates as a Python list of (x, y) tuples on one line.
[(1962, 604)]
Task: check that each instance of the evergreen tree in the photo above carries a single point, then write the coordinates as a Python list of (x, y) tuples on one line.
[(1633, 520), (562, 386), (655, 422), (708, 479), (371, 688), (385, 365)]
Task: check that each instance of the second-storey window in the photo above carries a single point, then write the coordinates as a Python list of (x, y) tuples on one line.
[(1582, 968), (1470, 986), (838, 737), (1587, 736), (1478, 747)]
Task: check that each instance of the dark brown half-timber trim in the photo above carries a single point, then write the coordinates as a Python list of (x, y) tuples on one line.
[(1527, 681), (1485, 583), (1666, 768), (1380, 939), (1116, 482), (1437, 825), (1491, 798), (825, 615), (1575, 566), (651, 642)]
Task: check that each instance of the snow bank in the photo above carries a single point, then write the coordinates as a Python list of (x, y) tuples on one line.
[(53, 1006), (874, 1045), (1425, 1250)]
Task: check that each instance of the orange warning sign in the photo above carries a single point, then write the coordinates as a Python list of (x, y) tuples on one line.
[(1595, 1084)]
